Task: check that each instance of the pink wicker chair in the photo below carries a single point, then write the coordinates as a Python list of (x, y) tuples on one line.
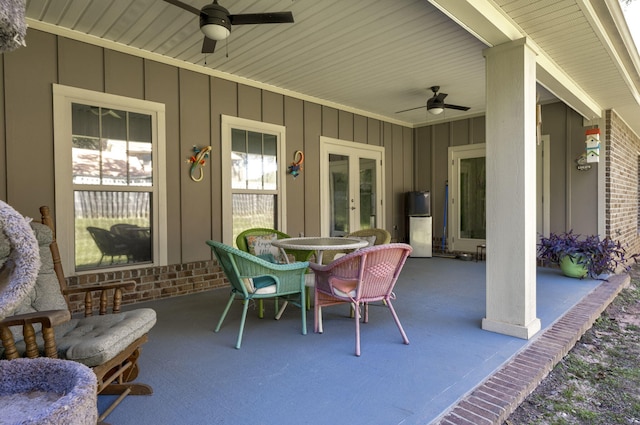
[(364, 276)]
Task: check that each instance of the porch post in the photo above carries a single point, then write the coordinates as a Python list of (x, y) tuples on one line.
[(511, 190)]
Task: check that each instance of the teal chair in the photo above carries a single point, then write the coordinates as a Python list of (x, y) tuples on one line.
[(242, 242), (253, 278)]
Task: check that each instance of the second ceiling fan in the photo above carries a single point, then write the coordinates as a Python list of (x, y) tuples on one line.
[(216, 21), (436, 105)]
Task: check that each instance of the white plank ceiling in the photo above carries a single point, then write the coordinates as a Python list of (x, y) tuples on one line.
[(374, 57)]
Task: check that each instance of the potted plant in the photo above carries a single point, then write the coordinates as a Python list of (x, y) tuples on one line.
[(580, 256)]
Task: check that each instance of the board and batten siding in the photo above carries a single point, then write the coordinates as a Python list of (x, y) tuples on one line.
[(194, 103)]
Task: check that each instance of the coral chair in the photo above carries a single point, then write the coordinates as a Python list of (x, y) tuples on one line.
[(253, 278), (364, 276)]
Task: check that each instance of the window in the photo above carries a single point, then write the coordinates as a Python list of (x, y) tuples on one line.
[(253, 176), (109, 155)]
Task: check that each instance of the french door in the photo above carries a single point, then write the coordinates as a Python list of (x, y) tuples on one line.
[(351, 176), (466, 204)]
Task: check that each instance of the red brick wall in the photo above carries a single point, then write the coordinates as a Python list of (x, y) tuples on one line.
[(154, 282), (622, 159)]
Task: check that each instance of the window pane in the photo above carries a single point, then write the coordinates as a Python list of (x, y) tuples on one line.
[(85, 120), (114, 124), (254, 161), (114, 162), (112, 228), (270, 162), (140, 149), (85, 160), (140, 164), (238, 159), (253, 210)]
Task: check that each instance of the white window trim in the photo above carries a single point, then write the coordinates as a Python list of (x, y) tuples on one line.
[(227, 124), (63, 97)]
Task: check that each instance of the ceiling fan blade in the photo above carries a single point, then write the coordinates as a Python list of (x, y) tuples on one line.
[(261, 18), (459, 108), (440, 97), (411, 109), (184, 6), (208, 45)]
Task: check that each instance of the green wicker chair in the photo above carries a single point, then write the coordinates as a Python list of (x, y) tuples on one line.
[(298, 255), (242, 244), (253, 278), (381, 237)]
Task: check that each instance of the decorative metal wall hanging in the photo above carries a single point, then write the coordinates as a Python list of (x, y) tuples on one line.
[(198, 160)]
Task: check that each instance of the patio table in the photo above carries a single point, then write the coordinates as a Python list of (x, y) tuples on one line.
[(319, 244)]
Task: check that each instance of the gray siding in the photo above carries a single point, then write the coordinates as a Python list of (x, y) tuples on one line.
[(194, 103), (573, 193)]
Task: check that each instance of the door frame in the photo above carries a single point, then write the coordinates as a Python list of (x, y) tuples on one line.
[(356, 150)]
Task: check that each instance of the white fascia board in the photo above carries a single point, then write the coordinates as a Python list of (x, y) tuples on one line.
[(482, 18), (487, 22)]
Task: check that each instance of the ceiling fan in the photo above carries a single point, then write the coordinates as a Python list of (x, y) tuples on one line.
[(436, 105), (215, 21)]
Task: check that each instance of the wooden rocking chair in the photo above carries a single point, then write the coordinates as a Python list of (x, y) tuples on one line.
[(108, 343)]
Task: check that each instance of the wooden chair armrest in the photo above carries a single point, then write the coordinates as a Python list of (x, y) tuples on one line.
[(48, 319), (104, 289)]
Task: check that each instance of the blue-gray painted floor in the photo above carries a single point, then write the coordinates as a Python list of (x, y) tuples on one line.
[(280, 376)]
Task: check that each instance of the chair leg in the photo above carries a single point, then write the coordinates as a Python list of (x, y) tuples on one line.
[(304, 312), (317, 318), (397, 320), (226, 310), (245, 307), (356, 309)]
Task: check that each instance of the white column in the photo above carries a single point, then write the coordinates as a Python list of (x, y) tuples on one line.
[(511, 190)]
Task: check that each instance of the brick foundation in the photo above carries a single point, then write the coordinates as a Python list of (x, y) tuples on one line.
[(154, 282)]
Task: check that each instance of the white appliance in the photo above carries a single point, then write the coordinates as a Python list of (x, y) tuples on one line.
[(420, 235)]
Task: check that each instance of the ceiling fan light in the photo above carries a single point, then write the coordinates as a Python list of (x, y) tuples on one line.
[(215, 31), (214, 22), (436, 110)]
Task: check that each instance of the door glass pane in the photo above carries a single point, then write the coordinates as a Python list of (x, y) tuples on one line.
[(253, 210), (112, 228), (472, 198), (367, 193), (339, 194)]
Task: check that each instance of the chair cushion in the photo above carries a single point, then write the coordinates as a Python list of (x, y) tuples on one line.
[(94, 340), (260, 285), (260, 245), (343, 288)]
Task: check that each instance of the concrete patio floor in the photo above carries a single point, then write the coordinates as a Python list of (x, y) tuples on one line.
[(452, 372)]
